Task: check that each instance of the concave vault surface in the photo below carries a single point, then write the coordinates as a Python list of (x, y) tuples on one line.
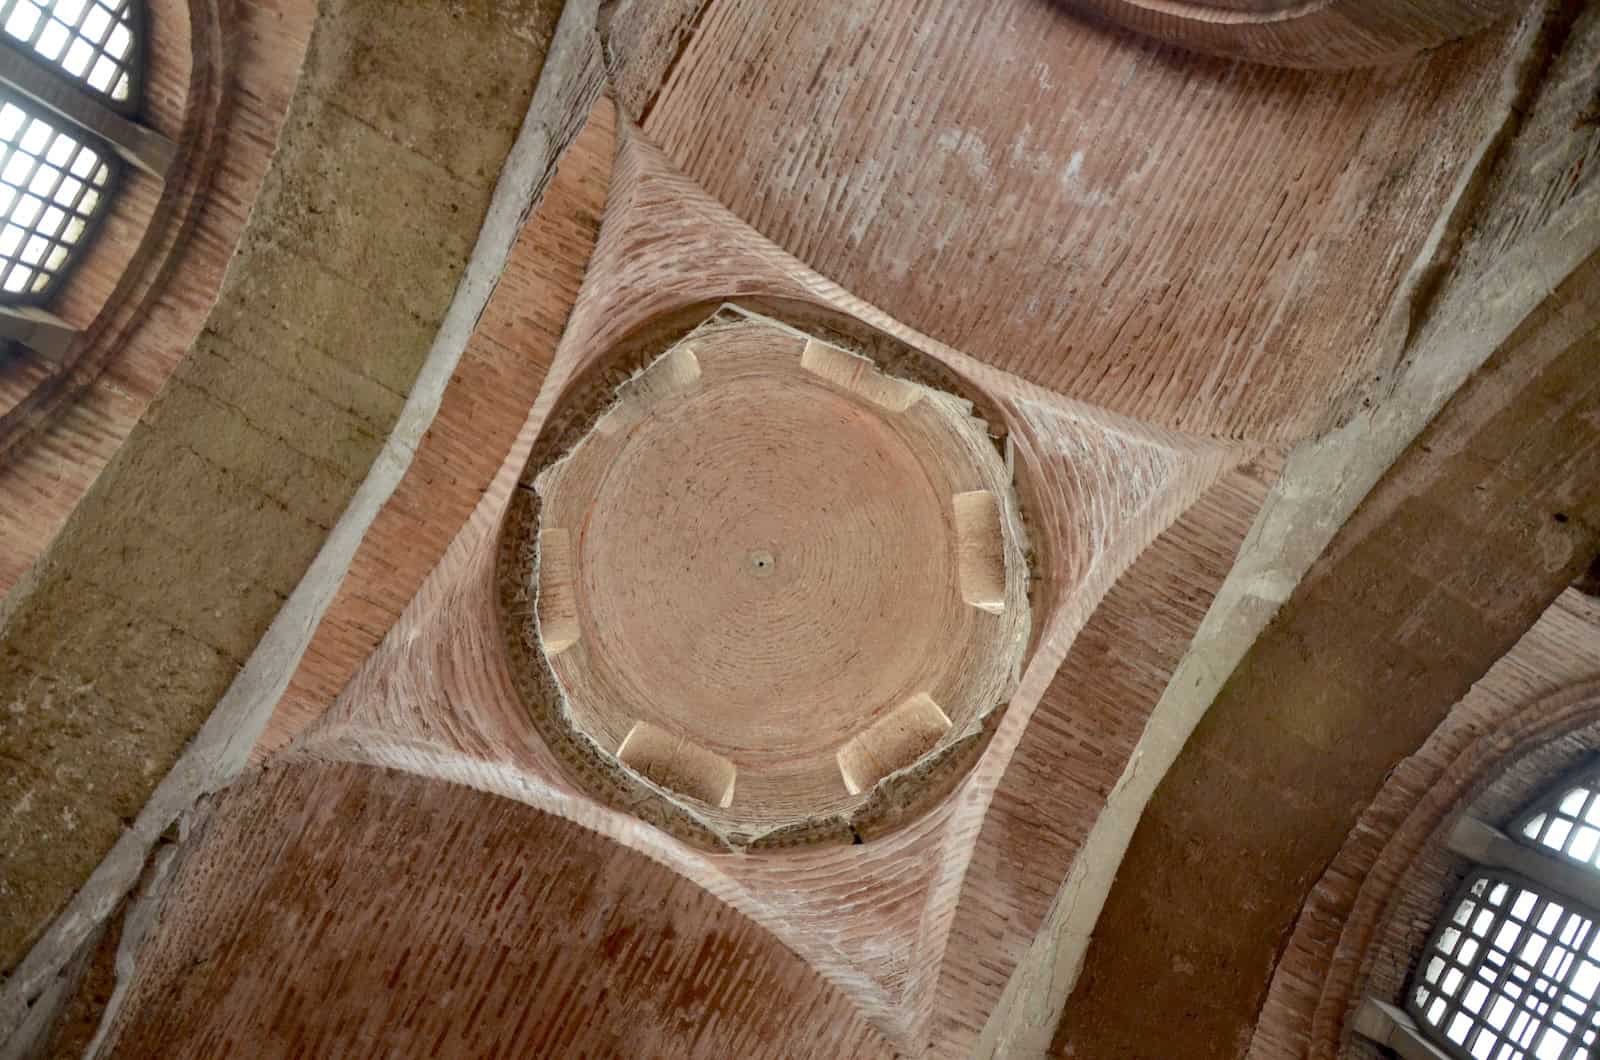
[(770, 576)]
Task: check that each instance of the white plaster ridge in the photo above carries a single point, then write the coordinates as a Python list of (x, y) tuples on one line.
[(220, 750), (1322, 483)]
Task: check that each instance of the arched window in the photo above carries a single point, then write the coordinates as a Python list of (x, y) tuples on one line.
[(95, 42), (70, 82), (1512, 970), (1566, 822)]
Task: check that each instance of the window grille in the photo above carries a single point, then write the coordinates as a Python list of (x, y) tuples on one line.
[(1567, 822), (95, 42), (69, 76), (52, 190), (1513, 971)]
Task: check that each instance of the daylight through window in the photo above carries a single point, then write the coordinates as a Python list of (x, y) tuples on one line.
[(93, 41), (1512, 971), (68, 79)]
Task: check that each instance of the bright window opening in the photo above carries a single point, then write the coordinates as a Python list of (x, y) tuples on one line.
[(92, 41), (1513, 972), (1568, 824), (60, 137), (52, 186)]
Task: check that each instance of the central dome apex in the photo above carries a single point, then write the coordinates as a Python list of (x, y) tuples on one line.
[(771, 577)]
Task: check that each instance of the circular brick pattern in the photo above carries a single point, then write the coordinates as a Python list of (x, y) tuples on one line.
[(771, 580)]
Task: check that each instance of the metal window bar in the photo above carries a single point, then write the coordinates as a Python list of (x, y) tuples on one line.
[(1459, 972), (136, 144), (1566, 820), (1382, 1023), (98, 44), (55, 185), (69, 79), (1511, 972)]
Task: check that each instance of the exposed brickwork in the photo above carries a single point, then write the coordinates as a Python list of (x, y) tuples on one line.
[(1078, 743), (151, 273), (117, 647), (1468, 538), (1197, 243), (349, 911), (499, 376), (1533, 716), (383, 913), (436, 699)]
